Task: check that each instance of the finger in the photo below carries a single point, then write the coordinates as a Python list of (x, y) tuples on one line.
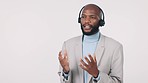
[(65, 54), (83, 63), (83, 67), (60, 58), (95, 58), (60, 55), (87, 60), (91, 58)]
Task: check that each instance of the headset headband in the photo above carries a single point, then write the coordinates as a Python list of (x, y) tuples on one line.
[(101, 22)]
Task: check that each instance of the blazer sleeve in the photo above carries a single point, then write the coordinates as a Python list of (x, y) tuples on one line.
[(60, 72), (116, 71)]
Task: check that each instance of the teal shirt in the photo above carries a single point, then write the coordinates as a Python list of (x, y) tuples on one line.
[(89, 47)]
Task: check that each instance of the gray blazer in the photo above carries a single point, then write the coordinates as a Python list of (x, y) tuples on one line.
[(109, 55)]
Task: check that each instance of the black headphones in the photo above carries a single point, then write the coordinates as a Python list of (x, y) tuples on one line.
[(101, 21)]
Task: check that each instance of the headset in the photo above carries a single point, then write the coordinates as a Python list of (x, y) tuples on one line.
[(101, 21)]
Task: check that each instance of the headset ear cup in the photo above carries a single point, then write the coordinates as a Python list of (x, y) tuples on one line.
[(101, 23), (79, 20)]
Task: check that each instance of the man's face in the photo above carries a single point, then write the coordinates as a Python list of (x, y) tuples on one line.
[(89, 19)]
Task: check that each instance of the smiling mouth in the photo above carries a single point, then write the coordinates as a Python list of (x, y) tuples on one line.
[(88, 27)]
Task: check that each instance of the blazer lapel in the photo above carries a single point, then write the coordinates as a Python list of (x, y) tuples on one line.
[(100, 49), (99, 52), (78, 54)]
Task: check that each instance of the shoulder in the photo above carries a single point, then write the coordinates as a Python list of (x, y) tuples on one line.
[(110, 42), (73, 40)]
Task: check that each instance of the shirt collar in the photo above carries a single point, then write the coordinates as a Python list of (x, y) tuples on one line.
[(91, 38)]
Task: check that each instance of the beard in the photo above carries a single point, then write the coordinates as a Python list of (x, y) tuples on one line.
[(94, 29)]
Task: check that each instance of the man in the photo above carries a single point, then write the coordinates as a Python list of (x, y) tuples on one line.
[(92, 57)]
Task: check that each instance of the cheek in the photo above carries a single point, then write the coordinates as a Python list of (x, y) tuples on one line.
[(82, 22), (95, 22)]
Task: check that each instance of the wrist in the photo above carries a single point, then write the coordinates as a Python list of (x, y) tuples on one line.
[(66, 71), (96, 79), (96, 74)]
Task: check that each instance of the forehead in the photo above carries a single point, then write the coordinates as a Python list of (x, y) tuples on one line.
[(91, 10)]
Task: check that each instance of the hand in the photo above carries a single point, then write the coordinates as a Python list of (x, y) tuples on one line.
[(64, 61), (90, 66)]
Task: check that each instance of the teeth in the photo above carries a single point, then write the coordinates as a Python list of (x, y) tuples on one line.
[(87, 27)]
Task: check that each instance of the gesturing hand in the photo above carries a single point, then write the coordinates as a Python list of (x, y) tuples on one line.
[(64, 61), (90, 66)]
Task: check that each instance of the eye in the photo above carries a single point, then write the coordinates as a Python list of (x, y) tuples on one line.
[(92, 17), (82, 16)]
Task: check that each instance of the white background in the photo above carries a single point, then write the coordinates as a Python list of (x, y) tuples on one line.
[(32, 33)]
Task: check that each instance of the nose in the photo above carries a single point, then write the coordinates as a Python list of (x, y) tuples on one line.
[(87, 20)]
